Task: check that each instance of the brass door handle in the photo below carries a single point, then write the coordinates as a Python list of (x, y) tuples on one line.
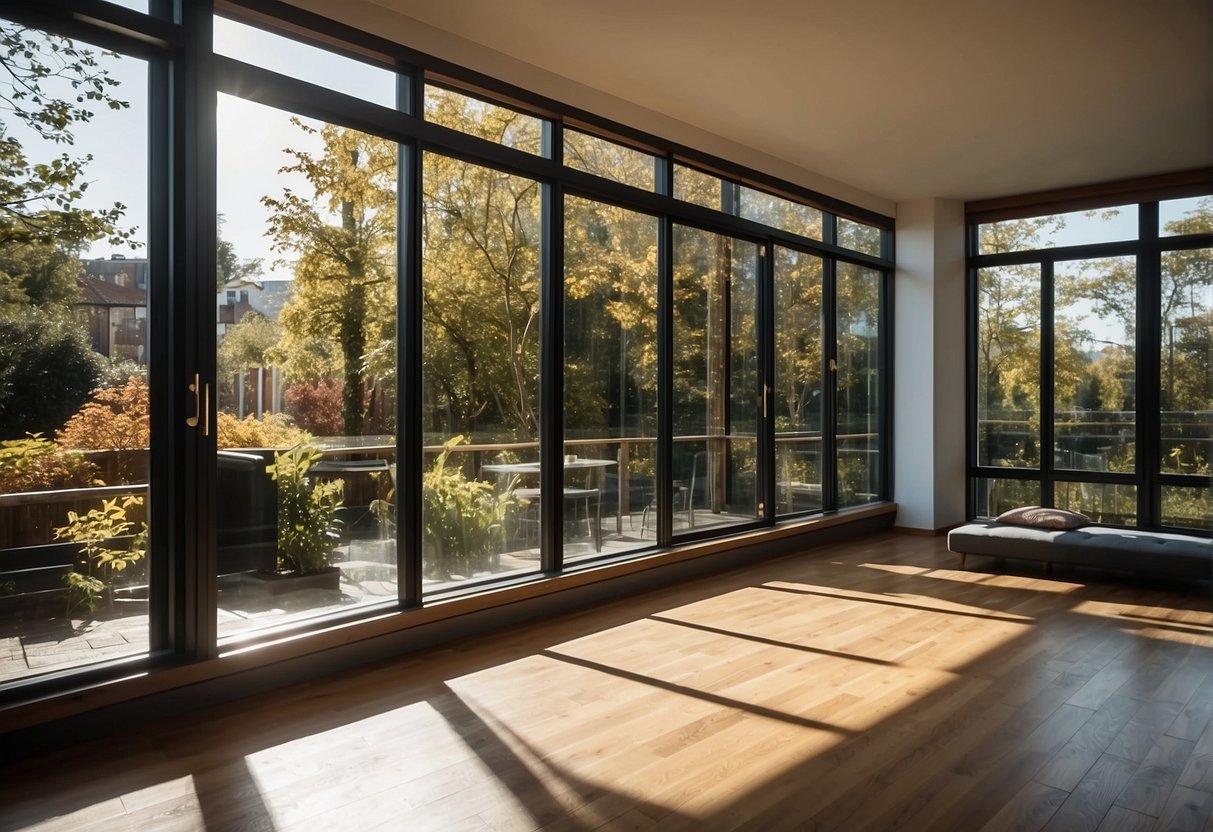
[(202, 406)]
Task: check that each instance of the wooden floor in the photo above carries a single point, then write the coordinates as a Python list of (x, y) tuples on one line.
[(865, 686)]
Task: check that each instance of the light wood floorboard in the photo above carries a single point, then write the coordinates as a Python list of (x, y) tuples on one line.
[(870, 685)]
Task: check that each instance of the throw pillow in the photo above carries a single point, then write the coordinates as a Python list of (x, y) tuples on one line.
[(1044, 518)]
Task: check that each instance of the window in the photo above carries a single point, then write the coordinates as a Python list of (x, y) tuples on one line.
[(610, 378), (480, 376), (305, 391), (412, 330), (78, 553), (1111, 336)]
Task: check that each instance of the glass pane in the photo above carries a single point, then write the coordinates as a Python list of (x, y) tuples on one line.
[(608, 159), (1008, 366), (1189, 508), (1187, 360), (309, 63), (858, 380), (1073, 229), (1113, 504), (778, 212), (480, 372), (1193, 215), (610, 378), (480, 118), (859, 237), (700, 188), (74, 413), (994, 496), (799, 395), (715, 400), (1095, 364), (306, 382)]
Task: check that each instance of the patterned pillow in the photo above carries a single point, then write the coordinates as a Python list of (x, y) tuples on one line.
[(1044, 518)]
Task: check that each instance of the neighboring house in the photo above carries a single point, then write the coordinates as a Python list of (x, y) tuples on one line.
[(131, 272), (116, 317), (255, 389), (241, 296)]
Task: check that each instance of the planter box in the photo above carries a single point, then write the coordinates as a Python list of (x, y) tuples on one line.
[(278, 583)]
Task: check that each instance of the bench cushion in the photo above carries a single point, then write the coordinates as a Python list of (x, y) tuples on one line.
[(1108, 548)]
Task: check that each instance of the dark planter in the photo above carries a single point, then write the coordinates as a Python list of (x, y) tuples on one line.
[(281, 583)]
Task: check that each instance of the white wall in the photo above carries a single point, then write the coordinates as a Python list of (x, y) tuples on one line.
[(928, 371)]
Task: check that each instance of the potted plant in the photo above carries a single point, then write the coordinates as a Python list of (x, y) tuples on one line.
[(308, 528), (464, 520)]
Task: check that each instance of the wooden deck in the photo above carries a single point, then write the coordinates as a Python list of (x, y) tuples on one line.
[(865, 686)]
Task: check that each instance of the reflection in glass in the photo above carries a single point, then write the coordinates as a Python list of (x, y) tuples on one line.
[(480, 372), (1077, 228), (608, 159), (75, 550), (779, 212), (1110, 503), (306, 383), (610, 381), (798, 396), (1008, 366), (1095, 364), (1187, 361), (994, 496), (1193, 215), (296, 59), (715, 399), (476, 117), (858, 237), (858, 384), (1187, 508)]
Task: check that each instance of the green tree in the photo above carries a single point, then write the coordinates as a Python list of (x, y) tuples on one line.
[(47, 371), (248, 344), (343, 239), (481, 282), (51, 84)]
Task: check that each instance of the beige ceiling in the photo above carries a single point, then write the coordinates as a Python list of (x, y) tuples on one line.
[(902, 99)]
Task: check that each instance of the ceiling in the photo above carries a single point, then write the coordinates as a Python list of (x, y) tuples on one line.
[(903, 99)]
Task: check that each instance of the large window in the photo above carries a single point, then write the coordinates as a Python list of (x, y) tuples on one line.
[(1091, 387), (333, 332), (76, 543)]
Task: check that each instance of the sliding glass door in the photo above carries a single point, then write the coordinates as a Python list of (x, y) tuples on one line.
[(716, 392)]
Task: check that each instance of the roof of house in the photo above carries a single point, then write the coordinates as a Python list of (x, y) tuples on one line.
[(97, 292)]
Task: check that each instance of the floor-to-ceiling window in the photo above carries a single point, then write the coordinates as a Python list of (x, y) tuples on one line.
[(75, 414), (1090, 336), (332, 333)]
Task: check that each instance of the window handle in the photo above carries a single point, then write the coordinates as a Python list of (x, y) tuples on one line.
[(202, 406), (833, 366)]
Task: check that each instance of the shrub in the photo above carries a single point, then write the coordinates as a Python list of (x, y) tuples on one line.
[(47, 371), (464, 519), (102, 558), (38, 464), (117, 420), (316, 406), (307, 511), (273, 430)]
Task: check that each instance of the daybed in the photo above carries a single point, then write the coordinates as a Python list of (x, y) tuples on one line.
[(1174, 555)]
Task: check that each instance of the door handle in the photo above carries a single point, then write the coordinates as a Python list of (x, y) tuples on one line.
[(202, 406)]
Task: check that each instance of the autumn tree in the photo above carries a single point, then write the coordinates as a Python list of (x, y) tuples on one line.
[(342, 239)]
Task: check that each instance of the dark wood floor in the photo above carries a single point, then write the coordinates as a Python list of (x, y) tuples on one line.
[(865, 686)]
